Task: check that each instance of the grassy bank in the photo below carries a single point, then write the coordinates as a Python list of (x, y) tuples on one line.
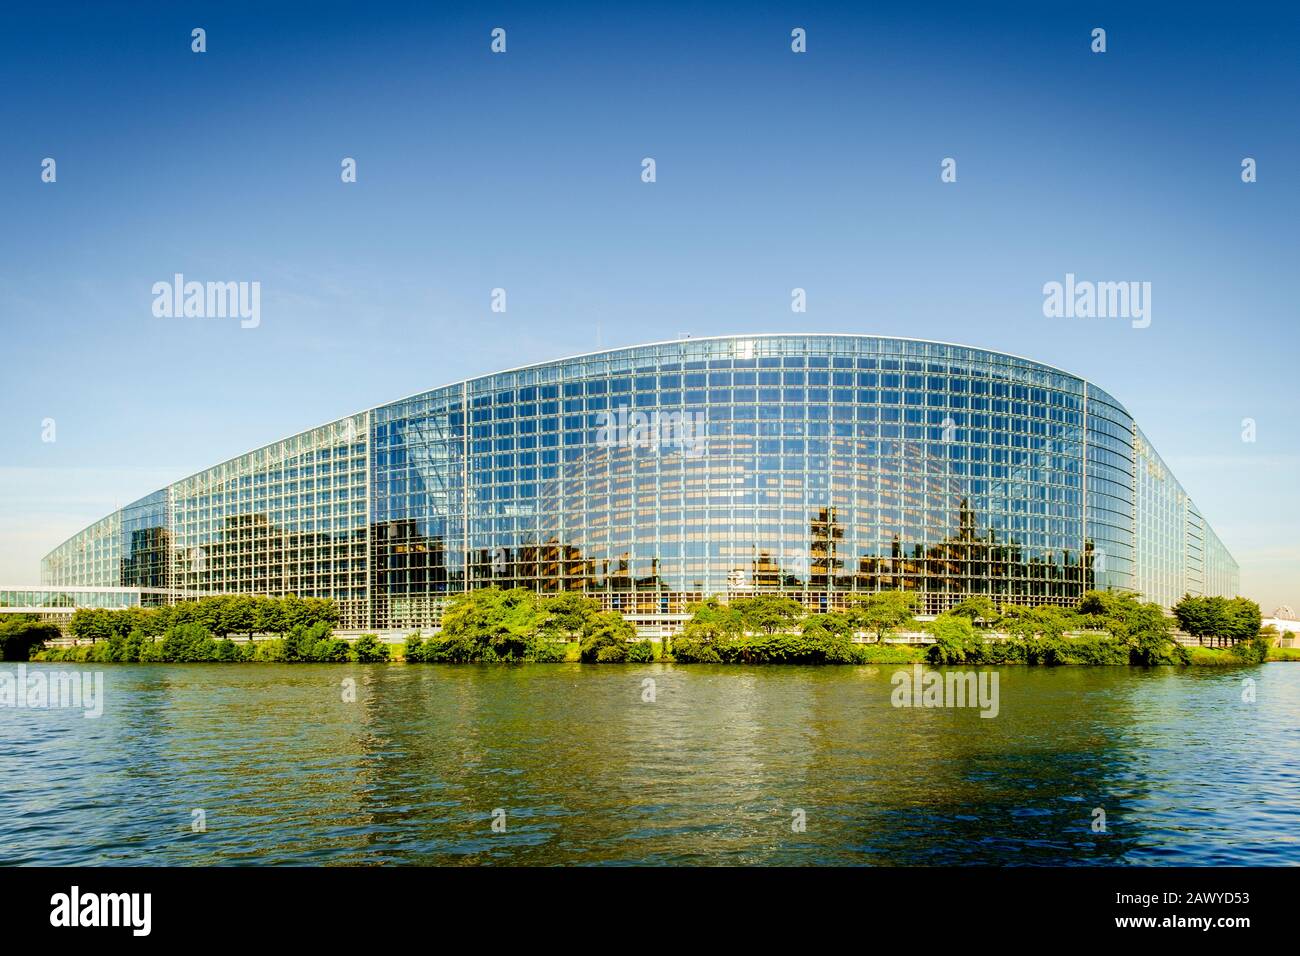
[(1224, 657)]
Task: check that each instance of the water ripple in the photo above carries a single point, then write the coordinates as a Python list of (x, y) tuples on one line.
[(714, 772)]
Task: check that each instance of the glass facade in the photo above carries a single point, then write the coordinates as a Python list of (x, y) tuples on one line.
[(653, 476)]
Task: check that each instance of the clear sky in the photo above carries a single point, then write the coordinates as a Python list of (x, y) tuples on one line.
[(522, 171)]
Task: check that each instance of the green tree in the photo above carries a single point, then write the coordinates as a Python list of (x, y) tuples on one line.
[(1193, 615), (496, 624), (768, 613), (268, 616), (955, 640), (295, 612), (881, 612), (640, 652), (1030, 623), (20, 634), (977, 609), (321, 611), (93, 624), (567, 615), (238, 614), (712, 620), (185, 612), (835, 625), (1108, 605), (1142, 626), (1243, 620), (607, 639)]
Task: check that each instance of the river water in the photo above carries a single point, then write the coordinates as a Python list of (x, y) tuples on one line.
[(653, 764)]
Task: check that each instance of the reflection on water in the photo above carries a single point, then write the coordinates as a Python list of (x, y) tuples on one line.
[(709, 773)]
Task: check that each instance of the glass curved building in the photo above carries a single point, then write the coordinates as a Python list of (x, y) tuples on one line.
[(654, 476)]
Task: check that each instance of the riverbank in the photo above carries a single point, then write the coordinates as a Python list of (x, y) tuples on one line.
[(489, 625), (768, 649)]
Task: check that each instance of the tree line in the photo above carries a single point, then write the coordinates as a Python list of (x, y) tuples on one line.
[(192, 643), (518, 625), (1108, 628), (220, 615), (1222, 620)]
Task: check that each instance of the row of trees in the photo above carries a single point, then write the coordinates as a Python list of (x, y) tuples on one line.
[(1222, 620), (882, 613), (879, 614), (519, 625), (1118, 627), (491, 624), (220, 616), (191, 643), (1124, 630)]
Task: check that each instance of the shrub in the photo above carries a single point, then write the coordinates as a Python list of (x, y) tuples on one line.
[(133, 644), (187, 644), (301, 643), (549, 652), (1097, 650), (888, 653), (101, 652), (690, 651), (332, 650), (640, 652), (413, 652), (1253, 651), (1050, 649), (1151, 648), (836, 649), (294, 647), (369, 650), (449, 650), (68, 655), (271, 652), (772, 649), (1012, 651)]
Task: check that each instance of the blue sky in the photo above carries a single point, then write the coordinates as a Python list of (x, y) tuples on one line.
[(522, 171)]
